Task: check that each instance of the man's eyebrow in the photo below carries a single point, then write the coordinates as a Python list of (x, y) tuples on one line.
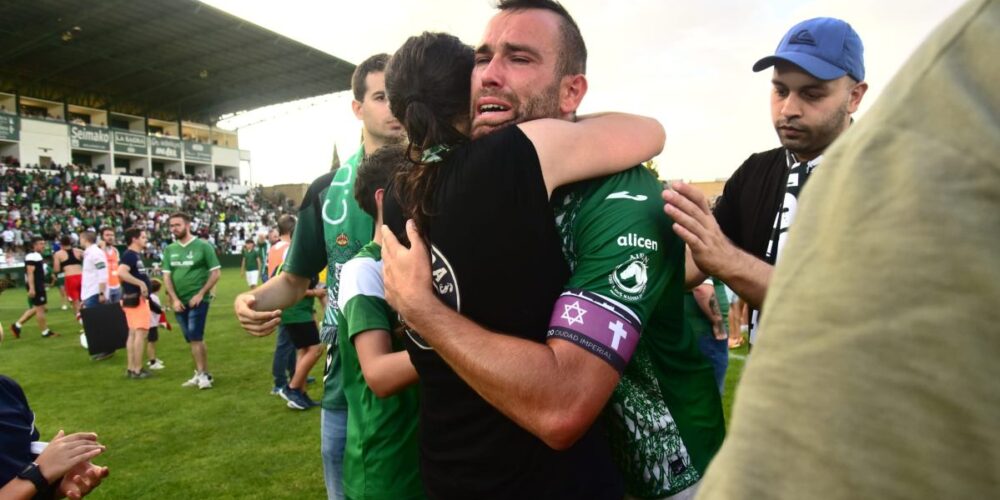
[(509, 47)]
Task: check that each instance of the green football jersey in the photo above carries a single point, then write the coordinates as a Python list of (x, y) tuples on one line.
[(189, 266), (329, 208), (665, 416), (250, 260), (381, 457)]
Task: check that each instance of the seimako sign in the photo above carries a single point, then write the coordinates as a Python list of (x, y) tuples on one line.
[(86, 137), (131, 143), (165, 147)]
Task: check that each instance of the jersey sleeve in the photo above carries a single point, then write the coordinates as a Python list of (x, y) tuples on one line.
[(362, 297), (307, 255), (625, 254), (211, 260)]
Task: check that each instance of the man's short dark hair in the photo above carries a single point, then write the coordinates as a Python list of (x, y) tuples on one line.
[(66, 242), (132, 233), (573, 56), (286, 224), (35, 240), (248, 241), (180, 215), (375, 172), (374, 64), (105, 229)]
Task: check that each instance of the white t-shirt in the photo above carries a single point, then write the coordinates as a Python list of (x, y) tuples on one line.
[(95, 271)]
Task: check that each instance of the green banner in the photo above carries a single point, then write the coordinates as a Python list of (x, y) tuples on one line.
[(196, 151), (165, 147), (128, 142), (86, 137), (10, 127)]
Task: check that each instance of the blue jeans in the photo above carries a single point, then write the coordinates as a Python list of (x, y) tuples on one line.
[(283, 365), (333, 437), (92, 301), (717, 352), (192, 321), (114, 295)]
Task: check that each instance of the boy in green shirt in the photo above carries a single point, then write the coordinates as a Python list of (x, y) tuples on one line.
[(251, 264), (381, 458)]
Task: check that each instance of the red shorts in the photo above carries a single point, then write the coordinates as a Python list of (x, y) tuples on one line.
[(73, 286)]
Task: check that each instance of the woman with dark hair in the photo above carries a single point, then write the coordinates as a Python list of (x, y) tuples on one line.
[(483, 207)]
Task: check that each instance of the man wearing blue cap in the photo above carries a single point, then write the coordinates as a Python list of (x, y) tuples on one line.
[(817, 84)]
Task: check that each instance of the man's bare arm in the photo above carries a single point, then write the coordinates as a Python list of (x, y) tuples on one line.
[(711, 250), (704, 295), (259, 310), (554, 390)]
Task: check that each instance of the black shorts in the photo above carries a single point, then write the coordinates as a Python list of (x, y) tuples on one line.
[(40, 298), (153, 335), (303, 334)]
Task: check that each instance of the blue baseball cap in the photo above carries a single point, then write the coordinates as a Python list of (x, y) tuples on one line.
[(824, 47)]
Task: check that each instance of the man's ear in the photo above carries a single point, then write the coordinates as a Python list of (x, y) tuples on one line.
[(572, 88), (857, 93), (379, 196), (356, 106)]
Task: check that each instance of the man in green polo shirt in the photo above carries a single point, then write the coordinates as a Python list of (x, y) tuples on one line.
[(329, 208), (190, 270)]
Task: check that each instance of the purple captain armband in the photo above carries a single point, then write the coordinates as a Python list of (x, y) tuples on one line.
[(600, 325)]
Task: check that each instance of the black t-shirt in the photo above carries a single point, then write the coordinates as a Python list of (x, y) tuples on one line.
[(35, 260), (17, 430), (751, 199), (133, 260), (497, 259)]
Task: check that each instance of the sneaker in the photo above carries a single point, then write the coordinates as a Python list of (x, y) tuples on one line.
[(155, 364), (297, 400), (205, 381), (101, 356), (286, 393), (49, 335), (16, 329), (276, 390), (137, 375), (193, 381), (144, 373)]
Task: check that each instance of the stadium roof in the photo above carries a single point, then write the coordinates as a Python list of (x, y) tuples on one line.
[(167, 59)]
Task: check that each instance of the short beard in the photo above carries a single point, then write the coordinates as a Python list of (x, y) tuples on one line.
[(821, 135), (544, 104)]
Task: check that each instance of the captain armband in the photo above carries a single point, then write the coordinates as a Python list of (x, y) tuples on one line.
[(602, 326)]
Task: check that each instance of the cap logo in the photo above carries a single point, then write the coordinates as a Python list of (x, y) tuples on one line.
[(802, 37)]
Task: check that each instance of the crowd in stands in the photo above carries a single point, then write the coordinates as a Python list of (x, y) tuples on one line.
[(70, 200)]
